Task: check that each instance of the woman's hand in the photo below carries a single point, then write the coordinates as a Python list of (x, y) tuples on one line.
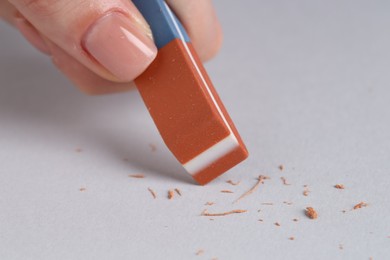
[(74, 33)]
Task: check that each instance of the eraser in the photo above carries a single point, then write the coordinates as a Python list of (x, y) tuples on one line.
[(183, 103)]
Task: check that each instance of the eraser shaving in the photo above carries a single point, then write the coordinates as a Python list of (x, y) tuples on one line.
[(182, 101)]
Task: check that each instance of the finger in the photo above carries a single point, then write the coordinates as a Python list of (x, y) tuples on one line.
[(201, 22), (7, 11), (30, 33), (108, 37), (10, 14), (82, 77)]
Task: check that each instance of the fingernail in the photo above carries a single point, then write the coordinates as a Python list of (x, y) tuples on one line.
[(30, 33), (120, 46)]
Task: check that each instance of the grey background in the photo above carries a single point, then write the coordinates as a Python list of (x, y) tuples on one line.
[(307, 84)]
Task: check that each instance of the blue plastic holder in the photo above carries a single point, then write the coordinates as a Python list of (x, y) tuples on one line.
[(163, 22)]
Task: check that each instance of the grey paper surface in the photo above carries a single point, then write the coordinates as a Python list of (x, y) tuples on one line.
[(307, 85)]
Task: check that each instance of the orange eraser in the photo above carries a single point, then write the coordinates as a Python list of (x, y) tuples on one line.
[(187, 111)]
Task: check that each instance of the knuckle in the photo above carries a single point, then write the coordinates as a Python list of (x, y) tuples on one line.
[(43, 8)]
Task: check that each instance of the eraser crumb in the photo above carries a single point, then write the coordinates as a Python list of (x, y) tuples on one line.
[(235, 211), (178, 191), (360, 205), (284, 181), (260, 180), (339, 186), (233, 183), (137, 176), (153, 193), (170, 194), (311, 213), (306, 191), (199, 252)]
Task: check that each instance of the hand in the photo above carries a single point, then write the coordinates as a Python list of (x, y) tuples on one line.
[(74, 33)]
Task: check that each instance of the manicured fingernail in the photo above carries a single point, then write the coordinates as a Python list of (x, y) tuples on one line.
[(30, 33), (120, 46)]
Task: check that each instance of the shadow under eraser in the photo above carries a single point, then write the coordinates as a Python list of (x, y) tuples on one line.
[(183, 103)]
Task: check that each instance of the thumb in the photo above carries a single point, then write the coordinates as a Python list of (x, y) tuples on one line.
[(111, 38)]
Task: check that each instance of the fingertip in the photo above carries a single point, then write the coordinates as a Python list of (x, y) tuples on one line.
[(206, 54), (119, 46), (202, 25)]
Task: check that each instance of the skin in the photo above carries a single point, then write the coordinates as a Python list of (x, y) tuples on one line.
[(56, 28)]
